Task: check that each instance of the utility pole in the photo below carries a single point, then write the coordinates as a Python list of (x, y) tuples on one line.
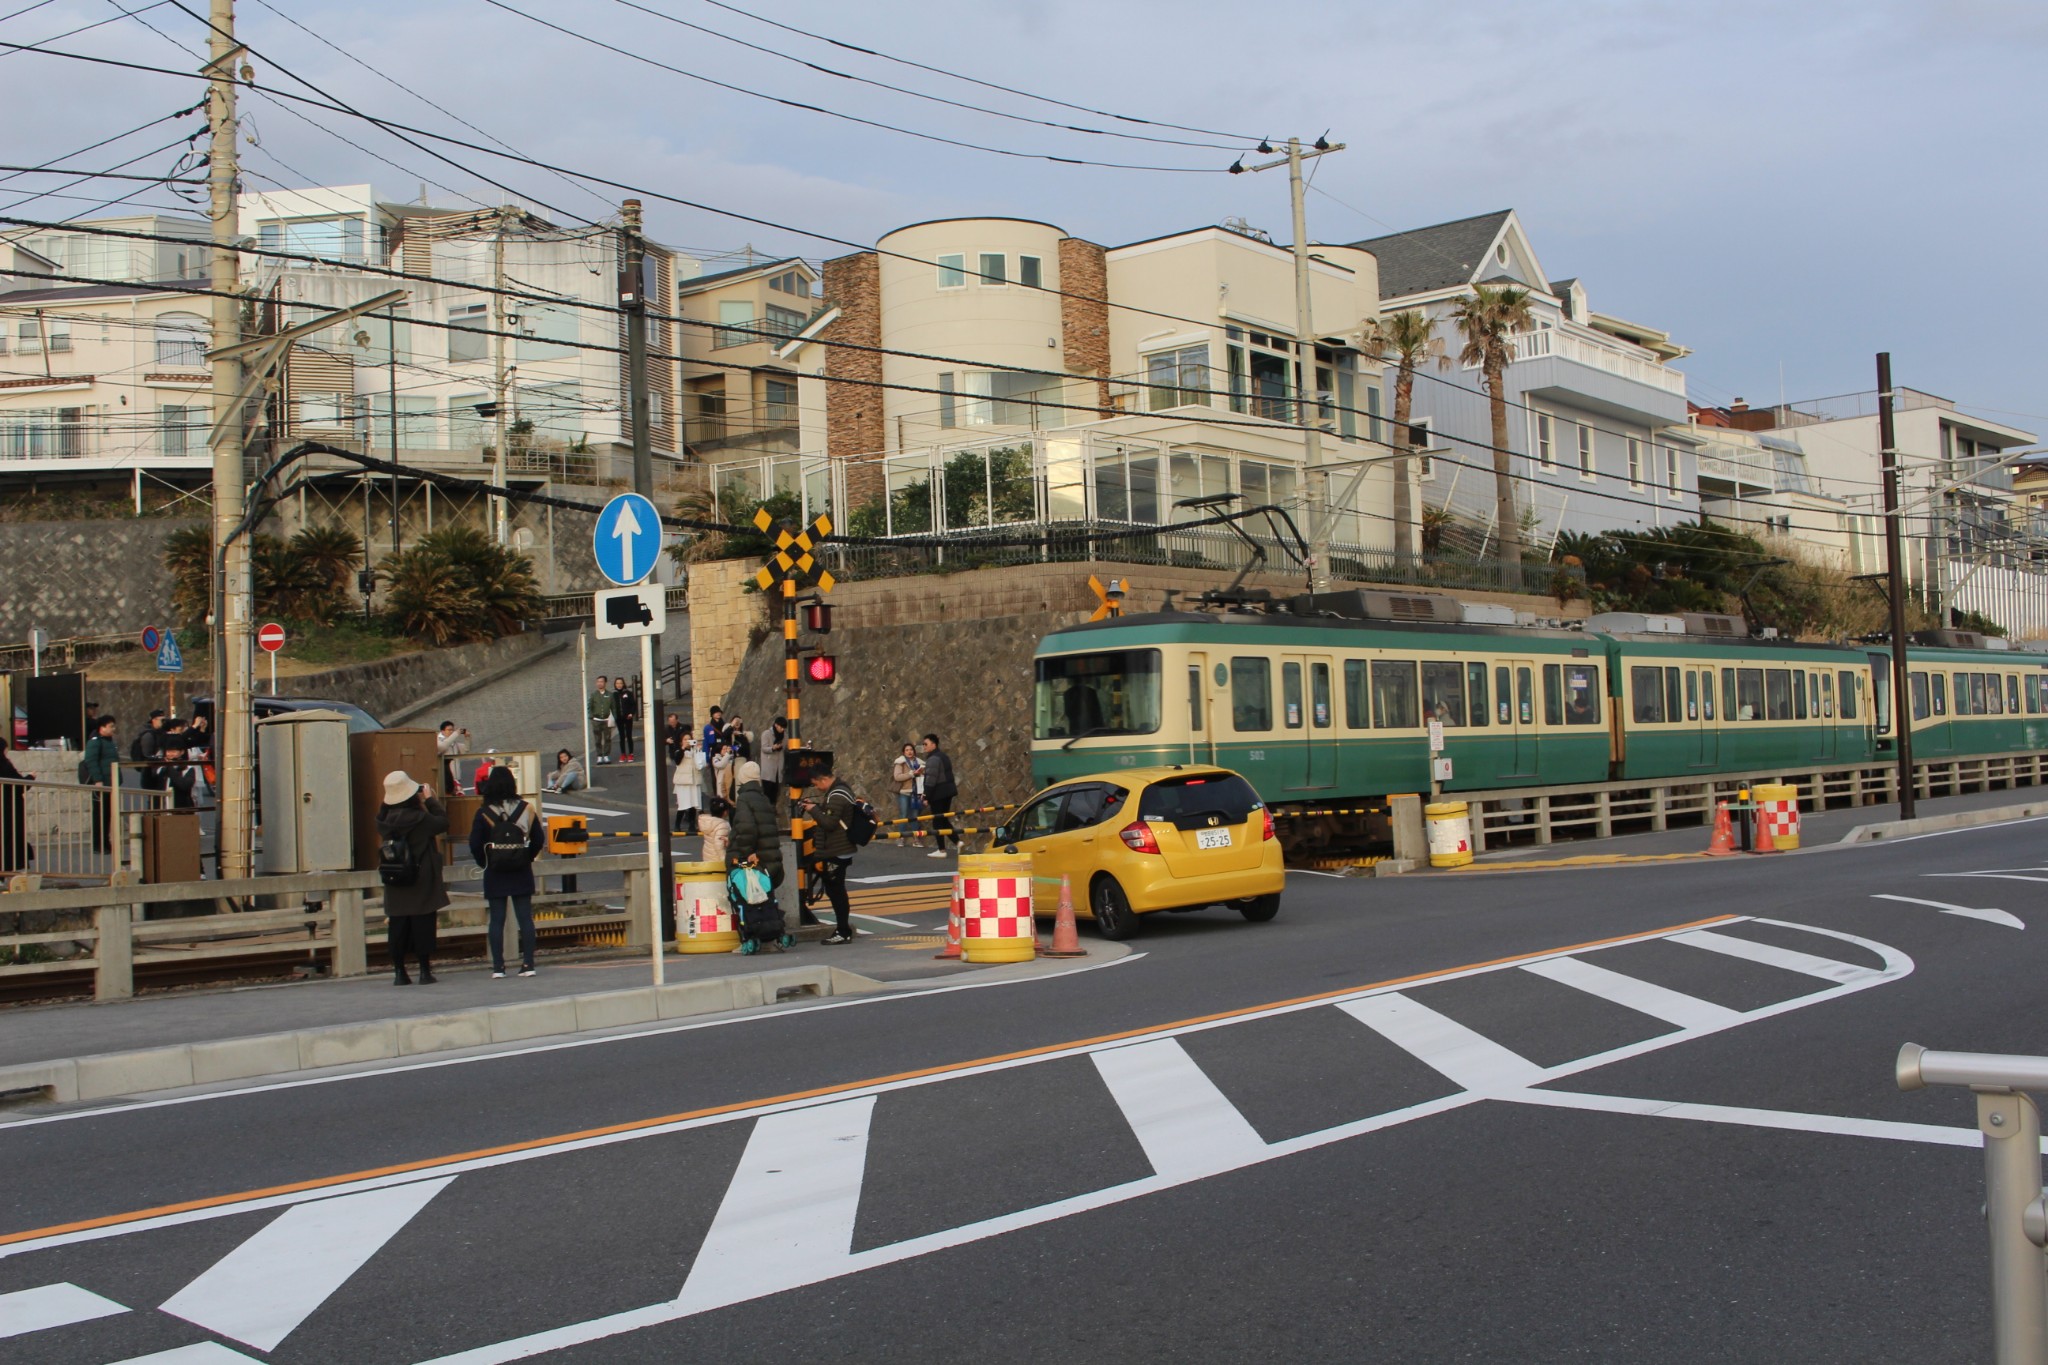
[(500, 521), (235, 836), (1305, 362), (633, 301), (1895, 588)]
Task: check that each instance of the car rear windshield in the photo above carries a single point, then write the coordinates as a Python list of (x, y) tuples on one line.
[(1188, 802)]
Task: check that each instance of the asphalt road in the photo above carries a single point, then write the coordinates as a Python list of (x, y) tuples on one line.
[(1639, 1112)]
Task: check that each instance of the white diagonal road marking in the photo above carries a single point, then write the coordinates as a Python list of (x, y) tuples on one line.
[(51, 1305), (1659, 1002), (271, 1283), (1826, 968), (787, 1217), (1471, 1059), (204, 1353), (2010, 921), (1182, 1120)]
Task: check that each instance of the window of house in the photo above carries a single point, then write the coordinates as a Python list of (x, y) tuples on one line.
[(28, 335), (1177, 378), (466, 339), (994, 268), (784, 322), (1337, 391), (543, 331), (1586, 466), (1635, 462), (1393, 695), (181, 339), (953, 270), (469, 429), (183, 428), (1421, 432), (778, 402), (1002, 398), (1545, 447), (1031, 272), (1375, 427), (1646, 694), (418, 422), (1475, 686), (42, 433), (735, 324), (1672, 485), (1251, 694), (791, 282), (1263, 374), (327, 239), (1443, 693)]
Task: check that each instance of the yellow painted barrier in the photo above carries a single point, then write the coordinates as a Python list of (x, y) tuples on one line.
[(1450, 833), (1777, 807), (995, 908), (705, 922)]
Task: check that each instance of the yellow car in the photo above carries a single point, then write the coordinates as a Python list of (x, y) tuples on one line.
[(1143, 839)]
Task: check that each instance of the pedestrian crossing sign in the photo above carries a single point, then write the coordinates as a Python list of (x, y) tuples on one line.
[(169, 658)]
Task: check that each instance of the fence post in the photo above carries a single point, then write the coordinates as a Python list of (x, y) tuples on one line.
[(2011, 1126), (637, 927), (351, 952), (114, 953)]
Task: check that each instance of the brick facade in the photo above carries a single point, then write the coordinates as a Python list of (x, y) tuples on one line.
[(854, 423), (1084, 312)]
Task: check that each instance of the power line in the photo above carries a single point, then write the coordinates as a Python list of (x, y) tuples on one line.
[(971, 80), (91, 146), (87, 28), (107, 175), (834, 113), (917, 94)]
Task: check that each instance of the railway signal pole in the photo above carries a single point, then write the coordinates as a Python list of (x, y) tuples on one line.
[(790, 569), (1895, 588)]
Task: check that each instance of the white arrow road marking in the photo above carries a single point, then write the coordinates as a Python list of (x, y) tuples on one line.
[(1968, 912), (51, 1305), (1673, 1007), (271, 1283), (205, 1353), (1182, 1120), (562, 808), (787, 1217), (1471, 1059), (1826, 968)]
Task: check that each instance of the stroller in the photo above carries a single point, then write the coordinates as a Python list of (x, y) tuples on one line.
[(759, 913)]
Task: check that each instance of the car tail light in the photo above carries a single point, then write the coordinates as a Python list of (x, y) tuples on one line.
[(1269, 821), (1138, 837)]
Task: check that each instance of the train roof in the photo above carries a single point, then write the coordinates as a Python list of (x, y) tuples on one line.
[(1195, 627)]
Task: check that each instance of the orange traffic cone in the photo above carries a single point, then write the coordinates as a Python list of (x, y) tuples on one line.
[(1066, 941), (1764, 842), (953, 918), (1723, 842)]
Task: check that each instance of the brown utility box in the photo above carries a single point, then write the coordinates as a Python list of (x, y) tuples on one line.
[(461, 815), (370, 757), (170, 846)]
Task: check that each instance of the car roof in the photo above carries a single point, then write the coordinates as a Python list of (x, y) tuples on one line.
[(1128, 777)]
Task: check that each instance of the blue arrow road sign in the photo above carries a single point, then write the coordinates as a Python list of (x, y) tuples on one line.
[(627, 539), (169, 658)]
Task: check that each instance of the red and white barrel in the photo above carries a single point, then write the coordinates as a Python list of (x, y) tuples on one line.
[(995, 909)]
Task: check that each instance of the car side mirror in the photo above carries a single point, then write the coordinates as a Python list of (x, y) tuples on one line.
[(1003, 835)]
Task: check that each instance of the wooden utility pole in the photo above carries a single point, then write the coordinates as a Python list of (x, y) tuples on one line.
[(1895, 588), (633, 301)]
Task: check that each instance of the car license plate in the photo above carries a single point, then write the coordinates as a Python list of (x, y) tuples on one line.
[(1212, 838)]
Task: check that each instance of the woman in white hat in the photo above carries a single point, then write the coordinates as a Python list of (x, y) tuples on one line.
[(409, 824)]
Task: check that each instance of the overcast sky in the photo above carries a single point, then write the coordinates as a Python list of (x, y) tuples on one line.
[(1786, 188)]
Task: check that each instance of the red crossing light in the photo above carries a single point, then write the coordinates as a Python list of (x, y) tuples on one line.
[(822, 668)]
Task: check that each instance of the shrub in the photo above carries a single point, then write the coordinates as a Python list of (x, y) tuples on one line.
[(457, 584)]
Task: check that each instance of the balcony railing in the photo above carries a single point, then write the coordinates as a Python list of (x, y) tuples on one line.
[(1584, 349)]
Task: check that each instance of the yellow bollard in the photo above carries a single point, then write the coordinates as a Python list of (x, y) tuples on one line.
[(1450, 833), (995, 908), (705, 922), (1777, 809)]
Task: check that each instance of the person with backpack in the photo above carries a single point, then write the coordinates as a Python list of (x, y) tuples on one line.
[(844, 823), (504, 839), (148, 746), (409, 822), (756, 833), (940, 787)]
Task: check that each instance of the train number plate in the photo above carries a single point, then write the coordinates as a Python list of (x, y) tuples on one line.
[(1212, 838)]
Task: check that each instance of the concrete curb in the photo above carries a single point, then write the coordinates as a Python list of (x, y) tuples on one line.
[(117, 1074), (1934, 824), (484, 679)]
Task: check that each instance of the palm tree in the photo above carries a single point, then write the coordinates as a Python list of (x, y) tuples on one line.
[(1489, 317), (1409, 340)]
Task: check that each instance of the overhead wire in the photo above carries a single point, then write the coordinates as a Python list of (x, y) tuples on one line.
[(87, 28)]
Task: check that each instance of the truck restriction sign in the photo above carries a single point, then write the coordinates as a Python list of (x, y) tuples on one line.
[(270, 637)]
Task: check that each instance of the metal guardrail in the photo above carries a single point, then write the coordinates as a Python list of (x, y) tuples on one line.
[(68, 831), (2015, 1205)]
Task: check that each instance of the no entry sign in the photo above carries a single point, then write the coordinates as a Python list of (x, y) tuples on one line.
[(270, 637)]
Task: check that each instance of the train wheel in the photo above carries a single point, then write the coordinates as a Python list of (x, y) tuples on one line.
[(1114, 918)]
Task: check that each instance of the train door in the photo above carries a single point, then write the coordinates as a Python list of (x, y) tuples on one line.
[(1699, 718), (1307, 744), (1514, 691), (1201, 731)]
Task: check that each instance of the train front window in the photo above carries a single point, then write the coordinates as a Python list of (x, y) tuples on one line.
[(1443, 692), (1114, 692)]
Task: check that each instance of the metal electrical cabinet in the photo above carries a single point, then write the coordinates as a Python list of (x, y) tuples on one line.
[(302, 758)]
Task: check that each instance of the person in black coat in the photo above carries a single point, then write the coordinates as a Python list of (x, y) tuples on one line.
[(626, 710), (13, 814), (504, 839), (411, 912)]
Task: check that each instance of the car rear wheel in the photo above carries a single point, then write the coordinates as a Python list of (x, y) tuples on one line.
[(1259, 909), (1114, 918)]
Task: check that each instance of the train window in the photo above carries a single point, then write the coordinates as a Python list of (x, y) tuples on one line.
[(1728, 711), (1195, 698), (1116, 692), (1749, 693), (1525, 695), (1827, 696), (1646, 689), (1707, 693), (1356, 713), (1393, 696), (2012, 695), (2033, 694), (1692, 695), (1813, 695), (1319, 694), (1501, 692), (1798, 695), (1553, 694), (1994, 694), (1673, 706), (1979, 703), (1475, 682), (1777, 694), (1290, 694), (1443, 692), (1251, 694), (1581, 694), (1920, 711), (1848, 689), (1940, 694)]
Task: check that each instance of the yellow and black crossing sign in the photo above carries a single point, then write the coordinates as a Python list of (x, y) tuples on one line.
[(788, 566), (1111, 598)]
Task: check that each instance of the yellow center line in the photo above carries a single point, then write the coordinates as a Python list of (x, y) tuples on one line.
[(921, 1073)]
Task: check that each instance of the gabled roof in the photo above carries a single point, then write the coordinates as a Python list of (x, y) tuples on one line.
[(81, 293), (764, 268), (1439, 257)]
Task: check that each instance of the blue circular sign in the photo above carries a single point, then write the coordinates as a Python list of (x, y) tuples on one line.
[(627, 539), (151, 638)]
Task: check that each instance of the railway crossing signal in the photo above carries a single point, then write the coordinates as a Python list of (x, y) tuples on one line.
[(792, 561), (1111, 597)]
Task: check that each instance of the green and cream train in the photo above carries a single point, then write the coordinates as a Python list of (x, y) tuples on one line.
[(1330, 700)]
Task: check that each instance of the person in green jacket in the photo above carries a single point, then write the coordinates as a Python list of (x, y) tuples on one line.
[(97, 769), (601, 722)]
